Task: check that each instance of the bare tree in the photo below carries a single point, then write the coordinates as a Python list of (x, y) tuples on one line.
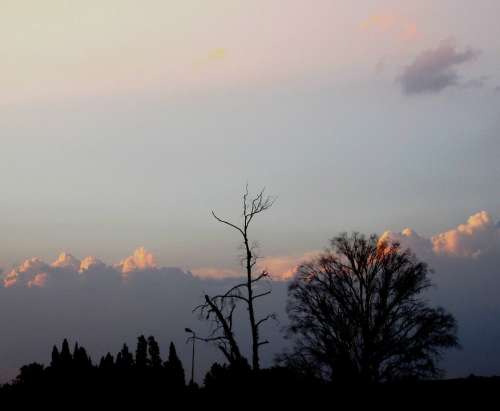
[(357, 312), (220, 308)]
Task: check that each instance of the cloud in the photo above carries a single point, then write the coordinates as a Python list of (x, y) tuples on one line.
[(434, 70), (283, 268), (25, 272), (217, 273), (477, 236), (395, 24), (476, 82), (408, 238), (34, 272), (90, 263), (280, 268), (140, 260), (94, 304), (38, 280), (66, 260)]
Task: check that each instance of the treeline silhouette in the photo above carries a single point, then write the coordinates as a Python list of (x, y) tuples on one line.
[(140, 375), (72, 372), (143, 377)]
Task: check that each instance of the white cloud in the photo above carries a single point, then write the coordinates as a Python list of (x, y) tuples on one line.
[(89, 263), (25, 272), (478, 235), (408, 238), (140, 260), (35, 272), (66, 260)]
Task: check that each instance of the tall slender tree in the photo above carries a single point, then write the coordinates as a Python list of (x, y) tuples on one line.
[(174, 369), (154, 353), (141, 353), (124, 359), (65, 357), (55, 361)]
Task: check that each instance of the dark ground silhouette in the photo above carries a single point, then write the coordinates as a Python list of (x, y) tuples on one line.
[(143, 377)]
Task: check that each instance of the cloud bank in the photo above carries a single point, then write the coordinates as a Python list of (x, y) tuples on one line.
[(35, 272), (477, 236), (435, 69)]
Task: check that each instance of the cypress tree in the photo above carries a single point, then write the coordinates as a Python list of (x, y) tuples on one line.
[(65, 357), (55, 361), (124, 359), (174, 369), (141, 353), (154, 353)]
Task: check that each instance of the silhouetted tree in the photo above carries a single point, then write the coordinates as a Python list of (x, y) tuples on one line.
[(107, 363), (154, 353), (124, 359), (65, 357), (80, 358), (31, 374), (55, 361), (220, 308), (357, 312), (174, 369), (141, 353)]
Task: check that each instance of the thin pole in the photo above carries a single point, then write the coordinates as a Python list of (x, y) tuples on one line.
[(192, 361)]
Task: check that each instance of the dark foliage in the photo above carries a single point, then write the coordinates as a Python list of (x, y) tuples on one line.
[(119, 382), (357, 314), (74, 375)]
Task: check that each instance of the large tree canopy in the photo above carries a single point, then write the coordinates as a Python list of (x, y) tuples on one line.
[(358, 312)]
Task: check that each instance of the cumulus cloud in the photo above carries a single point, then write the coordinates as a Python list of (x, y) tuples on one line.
[(34, 272), (90, 263), (435, 69), (140, 260), (38, 280), (478, 235), (25, 272), (66, 260), (408, 238)]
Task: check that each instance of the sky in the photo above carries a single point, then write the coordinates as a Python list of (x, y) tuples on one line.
[(124, 123)]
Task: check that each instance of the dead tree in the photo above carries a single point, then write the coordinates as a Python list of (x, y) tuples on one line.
[(220, 308)]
